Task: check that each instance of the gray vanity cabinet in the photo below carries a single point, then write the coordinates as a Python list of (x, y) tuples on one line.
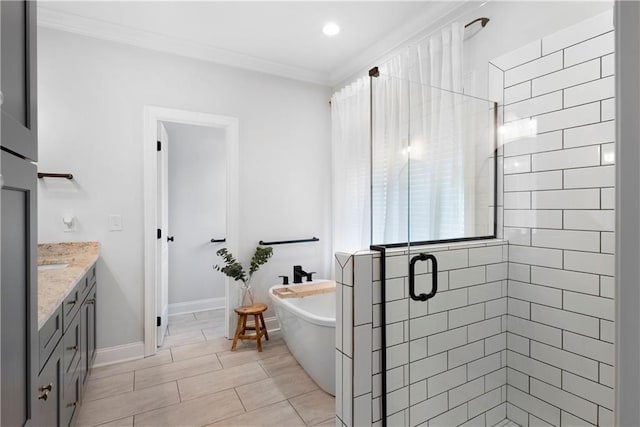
[(18, 307), (18, 310), (19, 79), (67, 351)]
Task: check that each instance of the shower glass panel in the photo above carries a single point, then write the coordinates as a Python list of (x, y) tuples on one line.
[(433, 164)]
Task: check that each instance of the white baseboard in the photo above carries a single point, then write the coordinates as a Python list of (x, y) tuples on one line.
[(195, 306), (119, 353)]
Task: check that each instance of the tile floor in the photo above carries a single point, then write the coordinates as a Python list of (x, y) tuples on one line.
[(195, 380), (507, 423)]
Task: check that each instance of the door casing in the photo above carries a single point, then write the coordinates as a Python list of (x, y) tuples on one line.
[(153, 115)]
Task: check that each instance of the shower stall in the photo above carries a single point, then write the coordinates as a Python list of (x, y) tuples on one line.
[(486, 295)]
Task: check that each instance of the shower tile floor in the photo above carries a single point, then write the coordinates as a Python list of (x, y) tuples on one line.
[(195, 380)]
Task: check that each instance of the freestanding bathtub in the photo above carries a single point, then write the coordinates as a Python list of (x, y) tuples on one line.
[(309, 329)]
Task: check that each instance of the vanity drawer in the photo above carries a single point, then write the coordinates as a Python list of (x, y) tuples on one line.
[(71, 305), (70, 402), (91, 275), (49, 391), (83, 286), (49, 335), (87, 282), (72, 350)]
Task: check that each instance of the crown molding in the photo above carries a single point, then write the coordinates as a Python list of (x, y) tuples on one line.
[(433, 16), (49, 18)]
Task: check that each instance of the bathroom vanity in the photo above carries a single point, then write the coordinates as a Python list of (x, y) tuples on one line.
[(66, 328)]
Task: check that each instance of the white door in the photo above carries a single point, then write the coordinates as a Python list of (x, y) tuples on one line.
[(162, 304)]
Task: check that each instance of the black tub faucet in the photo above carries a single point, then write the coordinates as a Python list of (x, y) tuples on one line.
[(298, 274)]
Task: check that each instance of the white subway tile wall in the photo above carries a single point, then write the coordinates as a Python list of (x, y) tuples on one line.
[(559, 221), (520, 329), (446, 358)]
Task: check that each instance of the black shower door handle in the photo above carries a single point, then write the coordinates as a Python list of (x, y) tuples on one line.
[(412, 277)]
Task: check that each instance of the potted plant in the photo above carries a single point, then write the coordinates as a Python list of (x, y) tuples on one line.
[(233, 269)]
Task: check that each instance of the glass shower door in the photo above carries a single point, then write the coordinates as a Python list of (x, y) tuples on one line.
[(433, 192)]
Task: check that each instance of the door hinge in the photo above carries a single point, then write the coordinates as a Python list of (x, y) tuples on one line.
[(158, 321), (159, 145), (159, 233)]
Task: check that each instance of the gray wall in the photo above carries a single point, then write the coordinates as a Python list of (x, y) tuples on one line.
[(91, 99), (197, 211)]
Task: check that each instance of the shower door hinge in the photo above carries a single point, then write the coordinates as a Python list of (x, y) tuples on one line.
[(158, 321), (159, 233), (159, 145)]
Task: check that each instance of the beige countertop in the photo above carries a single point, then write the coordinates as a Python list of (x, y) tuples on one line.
[(54, 285)]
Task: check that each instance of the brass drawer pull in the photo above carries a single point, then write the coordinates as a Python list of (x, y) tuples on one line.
[(91, 301), (73, 347), (72, 302), (72, 404), (44, 396)]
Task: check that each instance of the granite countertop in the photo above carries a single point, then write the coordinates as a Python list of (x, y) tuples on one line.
[(54, 285)]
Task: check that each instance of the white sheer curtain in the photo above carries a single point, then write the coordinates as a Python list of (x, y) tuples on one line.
[(418, 168), (439, 192), (389, 161), (351, 167)]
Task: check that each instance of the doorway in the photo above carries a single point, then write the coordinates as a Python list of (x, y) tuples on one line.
[(179, 251), (196, 226)]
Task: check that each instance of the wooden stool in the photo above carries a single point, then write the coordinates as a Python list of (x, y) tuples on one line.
[(256, 311)]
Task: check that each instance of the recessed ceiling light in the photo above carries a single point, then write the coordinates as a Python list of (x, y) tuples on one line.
[(331, 29)]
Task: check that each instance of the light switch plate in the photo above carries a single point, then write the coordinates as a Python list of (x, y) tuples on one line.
[(115, 222)]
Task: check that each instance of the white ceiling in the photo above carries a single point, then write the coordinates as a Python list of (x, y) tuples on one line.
[(282, 38)]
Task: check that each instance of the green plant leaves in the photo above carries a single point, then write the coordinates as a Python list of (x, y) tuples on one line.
[(261, 256), (233, 269)]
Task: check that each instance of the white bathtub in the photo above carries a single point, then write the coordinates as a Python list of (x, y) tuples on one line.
[(309, 328)]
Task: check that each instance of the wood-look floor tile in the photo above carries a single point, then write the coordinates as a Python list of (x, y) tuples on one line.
[(116, 407), (97, 388), (214, 332), (200, 349), (272, 390), (212, 382), (315, 407), (124, 422), (277, 415), (247, 353), (210, 314), (176, 319), (280, 365), (195, 412), (176, 370), (183, 339), (295, 382), (333, 422), (159, 358), (196, 325), (259, 394)]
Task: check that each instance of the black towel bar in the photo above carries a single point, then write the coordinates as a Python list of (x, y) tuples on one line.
[(284, 242), (55, 175)]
